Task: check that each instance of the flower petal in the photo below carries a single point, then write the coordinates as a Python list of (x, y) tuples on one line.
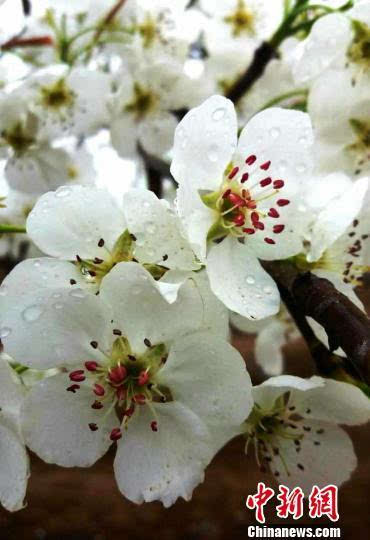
[(166, 464), (56, 423), (204, 143), (72, 220), (140, 310), (157, 230), (268, 348), (14, 469), (239, 281), (209, 376)]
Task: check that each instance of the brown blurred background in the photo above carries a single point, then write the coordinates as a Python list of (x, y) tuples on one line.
[(84, 504)]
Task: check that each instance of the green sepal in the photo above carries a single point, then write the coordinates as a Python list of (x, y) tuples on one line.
[(123, 250), (155, 270), (217, 231), (121, 350), (210, 199)]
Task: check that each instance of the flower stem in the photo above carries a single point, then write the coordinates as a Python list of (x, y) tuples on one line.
[(4, 228)]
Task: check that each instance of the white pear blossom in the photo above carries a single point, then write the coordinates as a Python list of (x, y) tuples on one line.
[(14, 463), (339, 41), (295, 433), (238, 202), (341, 121), (171, 388)]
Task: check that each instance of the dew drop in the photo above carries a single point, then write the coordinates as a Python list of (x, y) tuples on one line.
[(267, 289), (250, 280), (32, 313), (63, 191), (218, 114), (58, 306), (301, 168), (5, 332), (212, 153), (77, 293), (275, 132)]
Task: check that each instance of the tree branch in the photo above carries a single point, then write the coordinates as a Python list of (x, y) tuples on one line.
[(345, 324)]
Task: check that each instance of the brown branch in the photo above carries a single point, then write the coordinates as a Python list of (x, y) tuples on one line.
[(109, 18), (255, 70), (345, 324), (37, 41)]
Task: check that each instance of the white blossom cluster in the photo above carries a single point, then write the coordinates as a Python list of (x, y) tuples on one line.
[(115, 323)]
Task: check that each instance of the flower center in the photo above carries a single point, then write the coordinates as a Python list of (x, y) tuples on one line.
[(143, 102), (240, 204), (18, 138), (57, 95), (265, 429), (359, 50), (123, 381), (241, 20), (148, 31), (94, 270)]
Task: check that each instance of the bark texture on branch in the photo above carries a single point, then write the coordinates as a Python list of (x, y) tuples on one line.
[(345, 324)]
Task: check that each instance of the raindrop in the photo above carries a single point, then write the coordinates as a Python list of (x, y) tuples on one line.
[(32, 313), (58, 306), (37, 264), (218, 114), (212, 153), (57, 295), (301, 168), (250, 280), (5, 332), (275, 132), (267, 289), (64, 191), (77, 293)]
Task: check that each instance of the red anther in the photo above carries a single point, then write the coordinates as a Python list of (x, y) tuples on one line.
[(249, 231), (97, 405), (254, 217), (282, 202), (273, 213), (239, 220), (143, 378), (233, 173), (251, 205), (236, 200), (121, 393), (278, 228), (245, 194), (77, 376), (269, 241), (117, 374), (73, 388), (244, 177), (226, 194), (91, 365), (154, 425), (130, 411), (265, 182), (140, 399), (99, 390), (278, 184), (250, 160), (93, 427), (259, 225), (115, 434), (265, 166)]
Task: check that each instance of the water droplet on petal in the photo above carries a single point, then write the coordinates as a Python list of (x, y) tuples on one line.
[(250, 280), (212, 153), (32, 313), (77, 293), (218, 114), (267, 290), (5, 332), (58, 306), (275, 132), (63, 191)]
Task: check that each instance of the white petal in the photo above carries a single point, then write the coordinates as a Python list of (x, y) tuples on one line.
[(156, 134), (209, 376), (328, 40), (54, 326), (196, 217), (204, 143), (14, 469), (166, 464), (334, 220), (157, 232), (72, 220), (330, 462), (283, 137), (140, 310), (56, 423), (268, 347), (11, 395), (266, 393), (337, 402), (239, 281)]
